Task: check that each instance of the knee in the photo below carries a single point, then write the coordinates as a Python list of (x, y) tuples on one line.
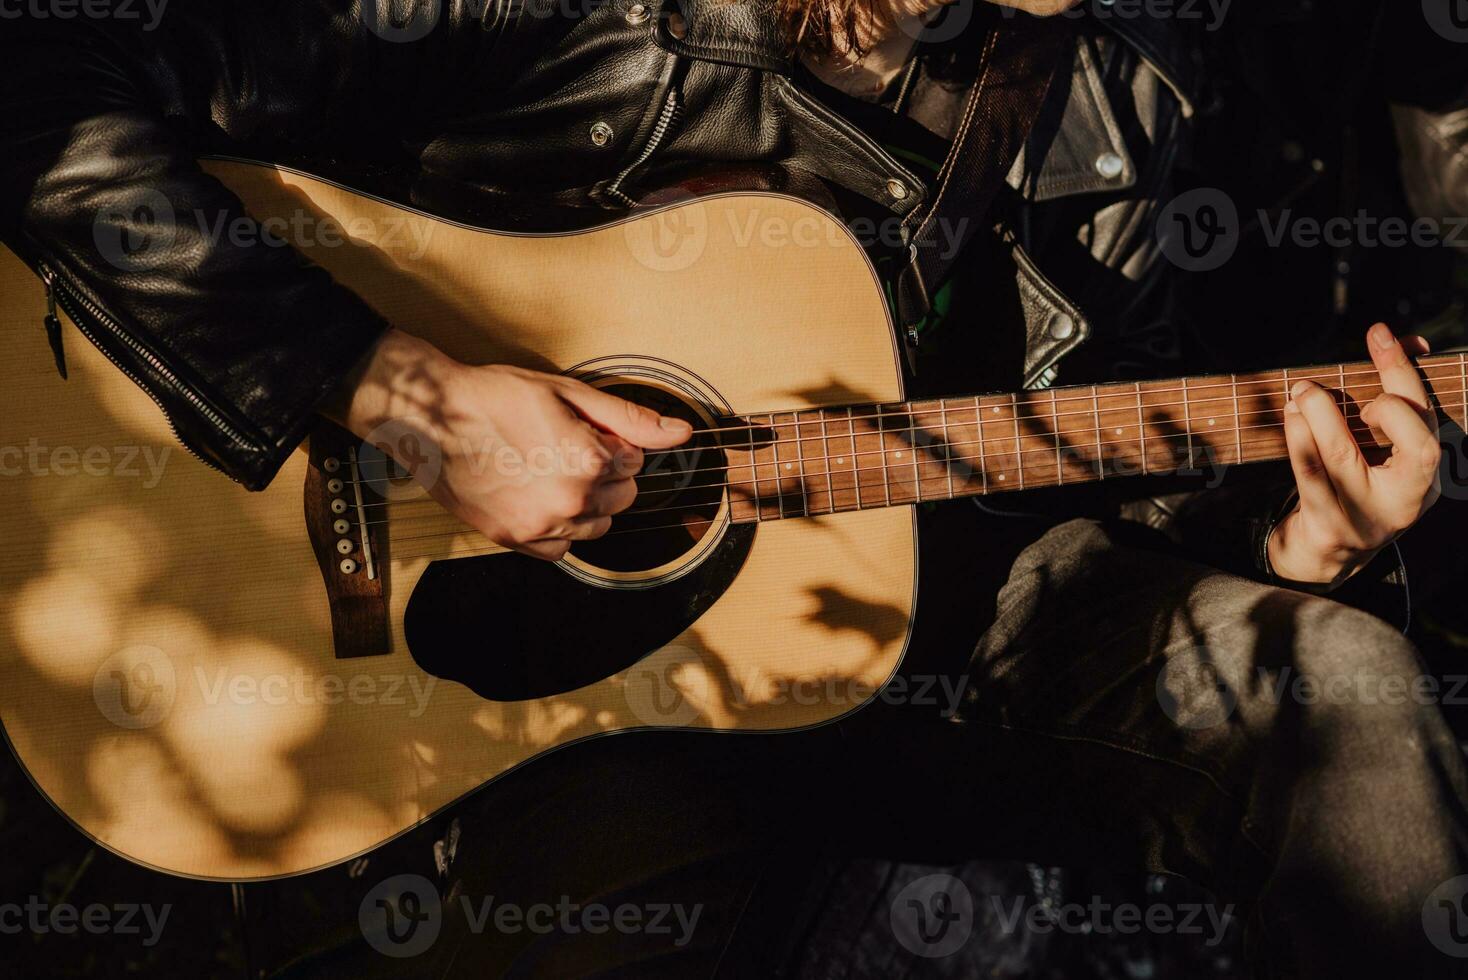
[(1359, 682)]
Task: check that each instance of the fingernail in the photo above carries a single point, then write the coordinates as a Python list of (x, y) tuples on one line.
[(672, 424), (1382, 337), (1299, 389)]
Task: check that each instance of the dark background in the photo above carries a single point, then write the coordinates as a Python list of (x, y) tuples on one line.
[(1290, 131)]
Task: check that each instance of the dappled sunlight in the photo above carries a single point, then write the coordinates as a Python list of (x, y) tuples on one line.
[(64, 627), (167, 672), (242, 697), (121, 549)]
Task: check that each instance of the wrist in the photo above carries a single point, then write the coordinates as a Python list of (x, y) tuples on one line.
[(399, 378), (1292, 558)]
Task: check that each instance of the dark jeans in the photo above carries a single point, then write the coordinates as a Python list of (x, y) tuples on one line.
[(1125, 707)]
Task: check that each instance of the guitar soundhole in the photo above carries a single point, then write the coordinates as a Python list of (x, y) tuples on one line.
[(679, 500)]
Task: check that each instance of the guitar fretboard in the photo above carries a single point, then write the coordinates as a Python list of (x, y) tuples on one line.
[(826, 461)]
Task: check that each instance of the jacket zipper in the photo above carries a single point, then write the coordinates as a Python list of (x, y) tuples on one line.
[(666, 118), (74, 303)]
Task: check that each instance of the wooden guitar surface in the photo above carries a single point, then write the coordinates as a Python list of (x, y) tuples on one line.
[(167, 672)]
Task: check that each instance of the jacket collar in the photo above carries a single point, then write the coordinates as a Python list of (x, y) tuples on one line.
[(1168, 48), (745, 33), (731, 32)]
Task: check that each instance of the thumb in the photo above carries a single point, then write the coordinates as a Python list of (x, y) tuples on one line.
[(635, 423)]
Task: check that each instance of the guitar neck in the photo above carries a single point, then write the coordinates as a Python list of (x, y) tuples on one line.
[(824, 461)]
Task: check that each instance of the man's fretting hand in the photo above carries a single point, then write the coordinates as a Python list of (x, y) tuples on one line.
[(1349, 509), (534, 461)]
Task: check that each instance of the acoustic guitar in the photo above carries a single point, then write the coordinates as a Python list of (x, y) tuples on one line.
[(238, 686)]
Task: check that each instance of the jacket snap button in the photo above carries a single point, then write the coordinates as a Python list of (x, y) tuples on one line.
[(1110, 166), (1062, 326), (601, 133), (637, 14), (897, 189)]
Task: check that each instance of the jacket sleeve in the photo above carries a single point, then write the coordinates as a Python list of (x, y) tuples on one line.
[(1425, 61), (237, 338)]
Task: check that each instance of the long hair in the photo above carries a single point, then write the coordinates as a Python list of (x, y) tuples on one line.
[(820, 27)]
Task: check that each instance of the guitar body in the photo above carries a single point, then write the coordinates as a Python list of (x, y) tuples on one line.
[(169, 673)]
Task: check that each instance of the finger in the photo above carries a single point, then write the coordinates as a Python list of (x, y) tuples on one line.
[(1339, 453), (586, 530), (1398, 374), (1316, 491), (1416, 452), (637, 424), (612, 498), (1415, 346), (546, 549), (626, 459)]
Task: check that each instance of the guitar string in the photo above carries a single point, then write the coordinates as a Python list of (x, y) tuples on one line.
[(1034, 397), (1097, 391), (1059, 436), (779, 497)]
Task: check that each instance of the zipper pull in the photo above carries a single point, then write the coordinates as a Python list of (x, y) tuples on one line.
[(911, 348), (53, 323)]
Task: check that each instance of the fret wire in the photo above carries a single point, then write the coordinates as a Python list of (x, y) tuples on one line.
[(947, 446), (1187, 423), (882, 447), (855, 476), (1238, 443), (775, 447), (1100, 453), (1141, 426), (1463, 380), (979, 431), (830, 477), (917, 474), (800, 461), (754, 473), (1019, 456), (1055, 418)]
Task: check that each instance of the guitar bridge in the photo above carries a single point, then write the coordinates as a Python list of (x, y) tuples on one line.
[(349, 546)]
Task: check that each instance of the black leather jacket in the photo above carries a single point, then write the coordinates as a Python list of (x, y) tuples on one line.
[(480, 105), (477, 108)]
